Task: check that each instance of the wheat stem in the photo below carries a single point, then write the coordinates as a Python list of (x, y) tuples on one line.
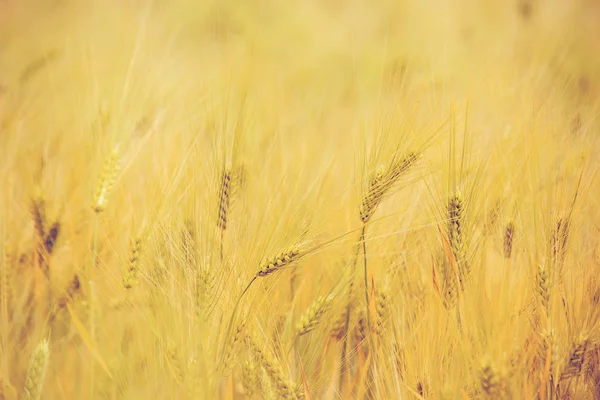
[(92, 299), (364, 244), (228, 331), (347, 323)]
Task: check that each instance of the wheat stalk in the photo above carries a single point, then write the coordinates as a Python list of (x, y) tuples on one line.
[(99, 203)]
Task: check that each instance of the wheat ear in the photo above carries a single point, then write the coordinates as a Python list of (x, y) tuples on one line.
[(106, 181), (509, 233), (576, 359), (282, 260), (490, 380), (131, 277), (224, 202), (312, 317), (36, 373), (283, 386), (99, 203), (456, 240), (380, 183)]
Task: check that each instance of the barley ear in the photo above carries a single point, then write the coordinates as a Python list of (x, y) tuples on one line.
[(383, 310), (224, 199), (491, 382), (380, 182), (543, 287), (36, 372), (450, 283), (174, 362), (203, 292), (38, 213), (279, 262), (312, 317), (250, 378), (456, 239), (231, 347), (106, 181), (576, 359), (284, 388), (131, 277), (338, 327), (509, 233)]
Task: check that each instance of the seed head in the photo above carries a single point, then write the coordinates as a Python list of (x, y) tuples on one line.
[(509, 232), (312, 317), (106, 181), (36, 372), (131, 277), (281, 261)]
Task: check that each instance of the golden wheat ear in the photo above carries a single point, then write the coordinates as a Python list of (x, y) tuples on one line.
[(106, 181), (456, 236), (224, 199), (38, 213), (577, 358), (230, 348), (312, 317), (131, 276), (509, 233), (283, 260), (250, 378), (381, 182), (492, 383), (282, 385)]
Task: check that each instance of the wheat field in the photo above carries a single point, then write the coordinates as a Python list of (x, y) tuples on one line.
[(323, 199)]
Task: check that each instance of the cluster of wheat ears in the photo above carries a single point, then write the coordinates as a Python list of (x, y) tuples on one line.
[(317, 200)]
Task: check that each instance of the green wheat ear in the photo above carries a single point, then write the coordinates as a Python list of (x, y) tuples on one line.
[(34, 381)]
